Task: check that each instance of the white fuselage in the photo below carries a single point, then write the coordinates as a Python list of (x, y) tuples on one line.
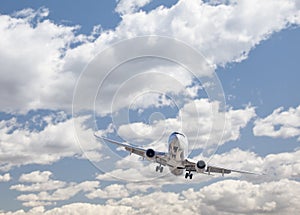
[(178, 152)]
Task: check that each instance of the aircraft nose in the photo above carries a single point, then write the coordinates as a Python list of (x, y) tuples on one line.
[(173, 137)]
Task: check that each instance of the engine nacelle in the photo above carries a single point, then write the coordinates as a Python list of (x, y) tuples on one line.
[(150, 154), (200, 166)]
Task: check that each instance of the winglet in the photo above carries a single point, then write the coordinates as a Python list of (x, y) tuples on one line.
[(99, 137)]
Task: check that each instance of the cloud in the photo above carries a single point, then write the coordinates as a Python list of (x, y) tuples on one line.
[(278, 197), (264, 198), (39, 181), (201, 120), (274, 193), (279, 124), (51, 63), (58, 139), (36, 176), (45, 191), (223, 32), (5, 178), (130, 6), (279, 166), (31, 59), (77, 208), (228, 35), (109, 192)]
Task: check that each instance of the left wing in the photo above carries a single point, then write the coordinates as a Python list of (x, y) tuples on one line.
[(192, 166), (150, 154)]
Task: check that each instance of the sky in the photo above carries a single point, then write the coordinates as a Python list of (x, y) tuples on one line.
[(225, 73)]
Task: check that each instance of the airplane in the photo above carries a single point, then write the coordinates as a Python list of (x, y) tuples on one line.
[(176, 158)]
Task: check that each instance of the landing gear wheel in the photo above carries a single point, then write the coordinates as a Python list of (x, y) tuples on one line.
[(186, 175), (157, 168), (161, 169)]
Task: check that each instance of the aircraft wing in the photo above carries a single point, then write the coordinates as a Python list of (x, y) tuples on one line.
[(191, 166), (223, 171), (159, 157)]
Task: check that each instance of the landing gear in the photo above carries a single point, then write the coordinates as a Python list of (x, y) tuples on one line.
[(159, 168), (188, 174)]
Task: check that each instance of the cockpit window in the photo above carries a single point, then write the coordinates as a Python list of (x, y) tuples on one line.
[(178, 133)]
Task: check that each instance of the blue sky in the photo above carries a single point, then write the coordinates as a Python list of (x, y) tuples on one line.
[(57, 90)]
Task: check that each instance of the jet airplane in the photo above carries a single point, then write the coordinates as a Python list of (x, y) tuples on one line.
[(176, 158)]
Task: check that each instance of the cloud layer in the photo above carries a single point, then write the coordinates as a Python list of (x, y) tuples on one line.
[(41, 72), (224, 197)]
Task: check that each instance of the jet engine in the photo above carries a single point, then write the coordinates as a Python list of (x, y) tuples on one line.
[(150, 153), (200, 166)]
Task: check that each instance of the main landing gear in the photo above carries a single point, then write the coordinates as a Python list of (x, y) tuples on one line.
[(159, 168), (188, 174)]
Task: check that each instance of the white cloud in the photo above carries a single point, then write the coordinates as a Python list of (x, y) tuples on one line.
[(288, 123), (42, 190), (223, 197), (60, 194), (223, 32), (130, 6), (201, 120), (4, 178), (77, 209), (285, 165), (56, 140), (31, 61), (40, 181), (273, 197), (36, 176), (274, 193), (109, 192), (43, 186)]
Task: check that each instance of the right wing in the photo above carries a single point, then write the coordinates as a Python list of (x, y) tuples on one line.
[(158, 157)]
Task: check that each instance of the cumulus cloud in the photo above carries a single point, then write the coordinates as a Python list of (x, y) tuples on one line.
[(109, 192), (282, 124), (130, 6), (201, 120), (261, 194), (31, 59), (77, 208), (224, 197), (229, 33), (279, 166), (36, 176), (58, 139), (39, 181), (4, 178), (45, 191), (260, 199)]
